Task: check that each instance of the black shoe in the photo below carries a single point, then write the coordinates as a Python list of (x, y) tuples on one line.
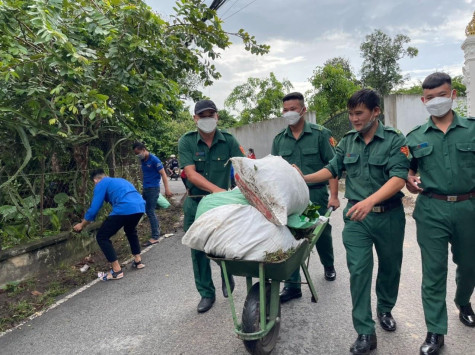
[(330, 273), (289, 293), (387, 321), (432, 344), (364, 344), (223, 285), (466, 315), (205, 304)]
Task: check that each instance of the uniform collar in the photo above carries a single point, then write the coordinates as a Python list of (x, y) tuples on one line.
[(458, 121), (218, 136), (306, 129)]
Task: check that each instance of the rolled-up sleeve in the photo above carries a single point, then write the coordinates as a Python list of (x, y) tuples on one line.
[(335, 165), (185, 152), (398, 163)]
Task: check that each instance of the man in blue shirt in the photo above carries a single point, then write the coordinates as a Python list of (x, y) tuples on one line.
[(127, 209), (153, 171)]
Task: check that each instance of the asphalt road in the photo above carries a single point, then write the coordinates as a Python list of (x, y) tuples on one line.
[(153, 311)]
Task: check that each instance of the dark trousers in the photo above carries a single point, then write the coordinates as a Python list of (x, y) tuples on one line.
[(111, 226)]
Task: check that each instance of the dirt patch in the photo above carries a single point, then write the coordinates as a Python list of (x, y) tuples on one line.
[(20, 300)]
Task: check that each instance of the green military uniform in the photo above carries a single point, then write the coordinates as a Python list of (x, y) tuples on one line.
[(211, 163), (446, 164), (310, 152), (369, 167)]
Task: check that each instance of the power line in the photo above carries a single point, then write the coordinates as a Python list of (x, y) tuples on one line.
[(242, 8), (229, 8)]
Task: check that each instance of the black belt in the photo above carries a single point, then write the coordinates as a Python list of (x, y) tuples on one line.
[(383, 207), (450, 198)]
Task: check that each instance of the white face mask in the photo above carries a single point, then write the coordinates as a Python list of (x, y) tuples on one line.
[(292, 117), (367, 127), (439, 106), (207, 124)]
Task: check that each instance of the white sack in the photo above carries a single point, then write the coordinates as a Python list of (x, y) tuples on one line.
[(238, 232), (273, 186)]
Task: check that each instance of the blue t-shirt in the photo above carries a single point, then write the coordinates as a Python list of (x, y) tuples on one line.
[(120, 193), (151, 171)]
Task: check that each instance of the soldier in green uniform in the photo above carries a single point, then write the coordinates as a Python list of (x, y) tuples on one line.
[(310, 147), (443, 151), (375, 158), (203, 155)]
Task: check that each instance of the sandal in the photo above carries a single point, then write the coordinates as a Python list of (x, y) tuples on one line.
[(104, 276), (149, 243), (138, 265)]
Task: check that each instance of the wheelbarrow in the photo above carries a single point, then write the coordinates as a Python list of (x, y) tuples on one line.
[(260, 324)]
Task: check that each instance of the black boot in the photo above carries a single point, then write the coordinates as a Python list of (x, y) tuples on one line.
[(288, 294), (432, 344), (466, 315), (205, 304), (387, 321), (364, 344), (330, 273)]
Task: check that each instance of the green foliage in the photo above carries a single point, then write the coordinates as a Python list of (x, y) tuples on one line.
[(413, 90), (81, 79), (381, 54), (457, 84), (333, 84), (226, 120), (258, 99)]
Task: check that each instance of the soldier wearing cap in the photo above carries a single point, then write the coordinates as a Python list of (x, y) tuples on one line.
[(203, 156), (310, 147), (375, 158), (443, 151)]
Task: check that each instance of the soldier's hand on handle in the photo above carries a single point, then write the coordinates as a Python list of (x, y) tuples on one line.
[(333, 202)]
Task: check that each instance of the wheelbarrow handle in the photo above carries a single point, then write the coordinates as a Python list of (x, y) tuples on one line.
[(329, 211)]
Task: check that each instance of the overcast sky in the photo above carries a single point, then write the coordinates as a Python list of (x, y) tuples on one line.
[(303, 34)]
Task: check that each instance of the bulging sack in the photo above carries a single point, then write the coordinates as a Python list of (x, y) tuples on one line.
[(232, 197), (272, 186), (238, 232)]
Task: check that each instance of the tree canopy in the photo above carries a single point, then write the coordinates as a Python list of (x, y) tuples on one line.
[(333, 83), (81, 78), (381, 54), (258, 99)]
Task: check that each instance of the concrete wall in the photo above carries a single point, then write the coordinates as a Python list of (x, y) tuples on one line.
[(404, 112), (259, 136), (24, 261)]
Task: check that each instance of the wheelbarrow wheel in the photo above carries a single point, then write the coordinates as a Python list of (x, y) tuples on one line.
[(251, 322)]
